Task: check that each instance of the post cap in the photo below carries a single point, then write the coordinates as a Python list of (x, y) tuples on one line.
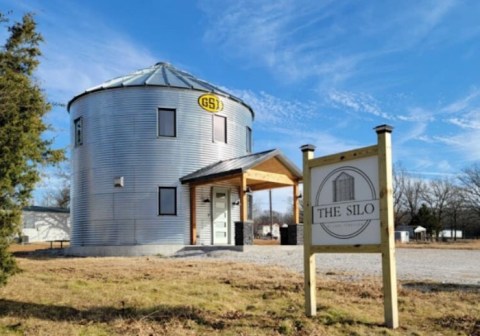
[(383, 129), (307, 148)]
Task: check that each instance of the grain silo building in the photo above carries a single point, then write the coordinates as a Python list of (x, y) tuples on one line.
[(161, 160)]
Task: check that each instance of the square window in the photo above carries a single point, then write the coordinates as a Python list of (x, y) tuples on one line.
[(167, 201), (219, 129), (78, 129), (166, 120)]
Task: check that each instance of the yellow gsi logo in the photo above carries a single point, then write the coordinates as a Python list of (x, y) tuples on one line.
[(210, 102)]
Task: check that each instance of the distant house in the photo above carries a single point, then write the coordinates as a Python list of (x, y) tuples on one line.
[(450, 234), (45, 223), (414, 232), (264, 230), (407, 228), (402, 236)]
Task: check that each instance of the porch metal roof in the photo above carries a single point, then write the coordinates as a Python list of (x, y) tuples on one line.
[(239, 165)]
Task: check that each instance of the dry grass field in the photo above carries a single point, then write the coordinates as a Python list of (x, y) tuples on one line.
[(160, 296)]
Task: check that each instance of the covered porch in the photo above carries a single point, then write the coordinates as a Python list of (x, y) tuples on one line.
[(260, 171)]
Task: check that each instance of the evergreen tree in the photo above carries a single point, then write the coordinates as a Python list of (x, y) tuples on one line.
[(425, 218), (23, 150)]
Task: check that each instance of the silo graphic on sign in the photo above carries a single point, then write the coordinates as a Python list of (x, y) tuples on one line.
[(343, 188)]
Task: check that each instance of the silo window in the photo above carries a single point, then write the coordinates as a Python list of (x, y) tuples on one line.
[(219, 129), (78, 129), (166, 120), (249, 140), (167, 201)]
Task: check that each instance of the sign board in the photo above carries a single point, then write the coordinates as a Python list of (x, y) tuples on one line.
[(345, 203), (349, 208)]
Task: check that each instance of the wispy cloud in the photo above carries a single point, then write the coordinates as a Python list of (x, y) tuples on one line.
[(288, 124), (325, 142), (276, 35), (327, 40), (470, 122), (463, 103), (271, 110), (357, 102), (467, 143), (427, 17), (86, 55), (414, 132)]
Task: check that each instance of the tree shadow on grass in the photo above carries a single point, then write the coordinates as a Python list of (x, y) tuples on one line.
[(327, 317), (57, 313), (41, 254), (165, 314), (432, 287), (160, 314)]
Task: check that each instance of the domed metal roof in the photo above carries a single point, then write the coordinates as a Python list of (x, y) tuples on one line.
[(161, 74)]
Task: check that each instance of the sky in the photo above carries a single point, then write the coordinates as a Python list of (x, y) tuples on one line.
[(315, 72)]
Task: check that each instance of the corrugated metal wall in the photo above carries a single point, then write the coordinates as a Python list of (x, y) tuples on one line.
[(120, 139)]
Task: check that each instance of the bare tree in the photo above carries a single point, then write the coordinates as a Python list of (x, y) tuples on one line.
[(399, 180), (58, 195), (437, 195), (456, 211), (288, 215), (470, 178), (412, 190)]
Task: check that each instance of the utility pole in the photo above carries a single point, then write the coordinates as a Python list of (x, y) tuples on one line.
[(271, 212)]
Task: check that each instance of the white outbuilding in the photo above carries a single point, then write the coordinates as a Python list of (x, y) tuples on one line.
[(42, 224)]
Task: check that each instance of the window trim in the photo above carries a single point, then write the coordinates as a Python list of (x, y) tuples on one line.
[(159, 109), (160, 213), (78, 140), (224, 118)]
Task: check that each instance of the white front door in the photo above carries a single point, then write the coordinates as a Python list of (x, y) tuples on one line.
[(220, 215)]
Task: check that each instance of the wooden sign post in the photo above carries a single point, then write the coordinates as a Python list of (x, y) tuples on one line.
[(349, 209)]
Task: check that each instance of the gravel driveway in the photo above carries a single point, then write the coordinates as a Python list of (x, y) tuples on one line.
[(447, 266)]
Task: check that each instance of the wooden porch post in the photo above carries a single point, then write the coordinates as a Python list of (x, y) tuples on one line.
[(193, 215), (309, 262), (243, 198), (296, 209)]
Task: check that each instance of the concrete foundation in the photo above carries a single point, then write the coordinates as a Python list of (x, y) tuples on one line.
[(145, 250)]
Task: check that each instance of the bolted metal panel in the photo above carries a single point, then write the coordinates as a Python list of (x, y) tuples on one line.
[(120, 139)]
